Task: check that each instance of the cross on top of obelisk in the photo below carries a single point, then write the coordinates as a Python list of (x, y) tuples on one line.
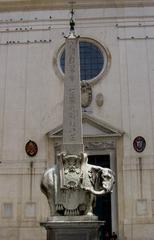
[(72, 22), (72, 26)]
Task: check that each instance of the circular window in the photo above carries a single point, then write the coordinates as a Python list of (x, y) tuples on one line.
[(93, 60)]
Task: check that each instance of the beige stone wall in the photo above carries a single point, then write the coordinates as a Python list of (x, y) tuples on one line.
[(31, 95)]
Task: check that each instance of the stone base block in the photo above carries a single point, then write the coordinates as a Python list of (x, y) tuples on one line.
[(72, 229)]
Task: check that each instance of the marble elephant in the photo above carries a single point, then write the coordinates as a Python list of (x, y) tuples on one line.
[(82, 182)]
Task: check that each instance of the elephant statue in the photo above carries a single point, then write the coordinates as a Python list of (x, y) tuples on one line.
[(72, 184)]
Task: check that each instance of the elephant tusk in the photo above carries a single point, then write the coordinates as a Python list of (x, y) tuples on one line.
[(94, 191), (97, 192)]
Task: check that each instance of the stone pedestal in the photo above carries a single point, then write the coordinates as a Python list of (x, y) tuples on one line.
[(72, 228)]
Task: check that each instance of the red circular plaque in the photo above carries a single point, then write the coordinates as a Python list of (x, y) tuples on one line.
[(31, 148)]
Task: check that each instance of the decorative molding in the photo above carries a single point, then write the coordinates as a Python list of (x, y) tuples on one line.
[(14, 5), (100, 145)]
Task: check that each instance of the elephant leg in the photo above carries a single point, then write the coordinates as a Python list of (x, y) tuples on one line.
[(90, 206), (90, 212), (52, 206)]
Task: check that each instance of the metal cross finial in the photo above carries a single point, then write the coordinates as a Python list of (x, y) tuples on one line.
[(72, 23), (72, 26)]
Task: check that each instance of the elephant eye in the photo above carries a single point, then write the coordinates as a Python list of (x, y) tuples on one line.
[(106, 177)]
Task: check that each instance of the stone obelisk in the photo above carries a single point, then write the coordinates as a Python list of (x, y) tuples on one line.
[(72, 119)]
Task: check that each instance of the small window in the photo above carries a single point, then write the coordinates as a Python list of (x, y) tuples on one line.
[(7, 210), (93, 60), (30, 210)]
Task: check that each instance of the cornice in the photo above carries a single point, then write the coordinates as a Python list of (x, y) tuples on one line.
[(14, 5)]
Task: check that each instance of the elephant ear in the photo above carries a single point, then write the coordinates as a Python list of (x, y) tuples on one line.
[(92, 176), (95, 177)]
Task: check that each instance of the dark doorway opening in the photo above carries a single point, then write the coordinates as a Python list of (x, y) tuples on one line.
[(102, 207)]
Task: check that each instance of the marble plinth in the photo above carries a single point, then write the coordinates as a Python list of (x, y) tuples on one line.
[(72, 228)]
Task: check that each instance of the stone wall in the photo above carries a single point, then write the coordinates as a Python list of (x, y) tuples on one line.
[(31, 96)]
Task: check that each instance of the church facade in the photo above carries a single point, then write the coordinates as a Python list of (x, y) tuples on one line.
[(116, 68)]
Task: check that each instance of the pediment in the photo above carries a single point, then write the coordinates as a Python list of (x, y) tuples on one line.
[(92, 127)]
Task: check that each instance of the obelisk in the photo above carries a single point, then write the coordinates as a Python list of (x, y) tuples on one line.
[(72, 114)]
